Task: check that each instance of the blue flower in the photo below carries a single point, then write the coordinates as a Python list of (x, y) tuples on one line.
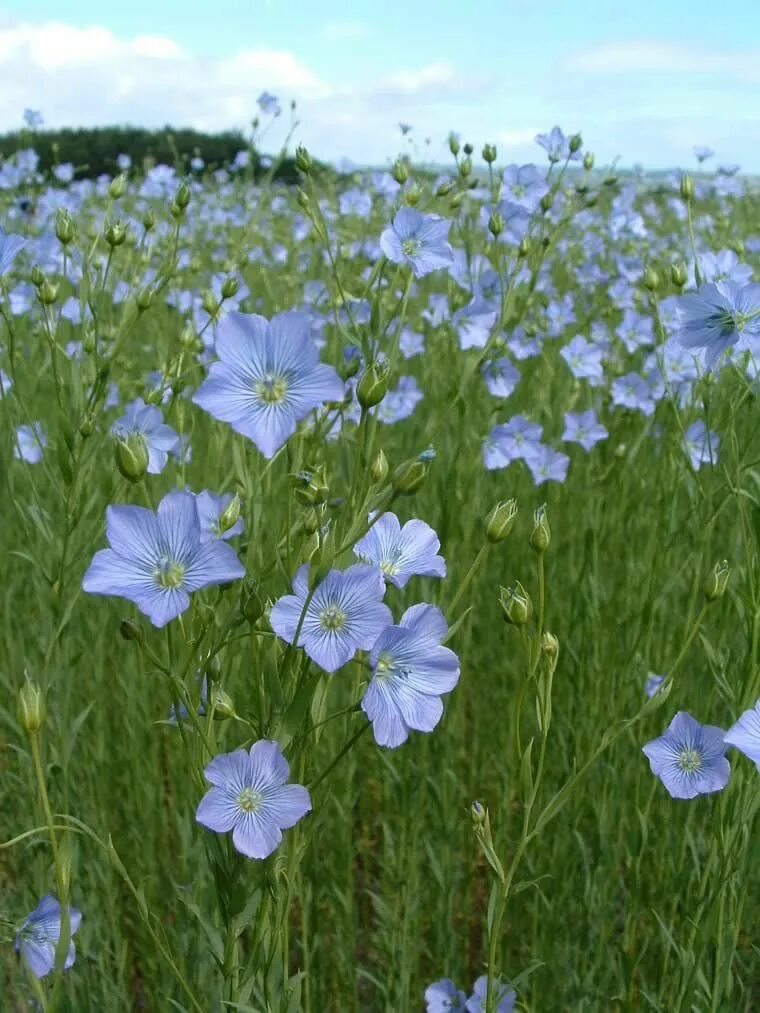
[(745, 734), (268, 104), (505, 997), (145, 423), (251, 797), (210, 509), (418, 240), (38, 937), (557, 146), (524, 185), (410, 671), (10, 247), (701, 446), (716, 316), (156, 560), (516, 440), (652, 684), (444, 997), (268, 379), (584, 428), (345, 614), (546, 464), (500, 376), (401, 553), (689, 758)]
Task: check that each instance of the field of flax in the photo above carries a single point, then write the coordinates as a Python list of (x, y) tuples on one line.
[(381, 598)]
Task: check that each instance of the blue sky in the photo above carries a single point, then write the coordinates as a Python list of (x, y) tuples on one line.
[(643, 81)]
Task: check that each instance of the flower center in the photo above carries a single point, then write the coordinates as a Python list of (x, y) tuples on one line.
[(332, 618), (388, 668), (271, 389), (411, 247), (689, 760), (249, 800), (390, 566), (169, 573)]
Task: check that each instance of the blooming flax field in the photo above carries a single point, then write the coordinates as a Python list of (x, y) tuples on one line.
[(381, 598)]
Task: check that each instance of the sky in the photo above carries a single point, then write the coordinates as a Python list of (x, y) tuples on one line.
[(642, 80)]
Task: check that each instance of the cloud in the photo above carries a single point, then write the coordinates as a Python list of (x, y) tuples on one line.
[(651, 56)]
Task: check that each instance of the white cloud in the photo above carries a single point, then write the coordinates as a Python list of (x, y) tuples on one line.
[(642, 56), (518, 137)]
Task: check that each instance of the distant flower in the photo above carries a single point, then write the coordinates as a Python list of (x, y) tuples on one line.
[(38, 936), (401, 553), (410, 671), (723, 266), (210, 509), (268, 379), (400, 403), (515, 440), (30, 443), (633, 391), (345, 614), (251, 797), (444, 997), (33, 119), (689, 758), (417, 240), (64, 172), (124, 162), (716, 315), (557, 146), (10, 247), (701, 447), (652, 684), (145, 423), (405, 128), (506, 997), (745, 734), (584, 428), (702, 152), (5, 383), (355, 201), (156, 560), (268, 104), (500, 376), (546, 464)]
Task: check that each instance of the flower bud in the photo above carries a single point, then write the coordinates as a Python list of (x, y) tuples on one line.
[(230, 287), (454, 144), (678, 275), (224, 708), (651, 280), (541, 534), (546, 202), (489, 153), (478, 813), (118, 186), (588, 161), (149, 220), (456, 201), (373, 385), (131, 456), (310, 521), (412, 195), (303, 160), (409, 476), (523, 248), (37, 276), (131, 630), (209, 302), (64, 227), (144, 298), (501, 520), (465, 167), (230, 514), (715, 585), (312, 487), (575, 143), (400, 171), (687, 187), (47, 293), (250, 602), (182, 196), (495, 224), (115, 234), (379, 468), (445, 188), (516, 604), (303, 198), (30, 707), (550, 649), (468, 149), (87, 426)]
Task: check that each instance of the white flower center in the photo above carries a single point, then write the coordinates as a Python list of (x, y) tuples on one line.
[(249, 800)]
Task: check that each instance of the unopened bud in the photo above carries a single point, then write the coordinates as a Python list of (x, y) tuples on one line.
[(312, 487), (468, 149), (229, 516), (465, 167), (489, 153), (64, 227), (651, 280), (550, 649), (87, 426), (400, 171), (250, 602), (575, 143), (303, 160), (546, 202), (456, 200), (47, 292), (182, 196), (131, 456), (454, 144), (131, 630), (516, 604), (523, 248), (30, 707), (478, 813), (678, 275), (144, 298), (373, 385), (148, 220), (209, 302), (445, 188), (541, 534), (310, 521), (687, 187), (379, 468), (224, 708), (409, 476), (115, 234), (715, 585), (37, 276), (118, 186), (588, 161), (412, 195), (501, 520), (495, 224)]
